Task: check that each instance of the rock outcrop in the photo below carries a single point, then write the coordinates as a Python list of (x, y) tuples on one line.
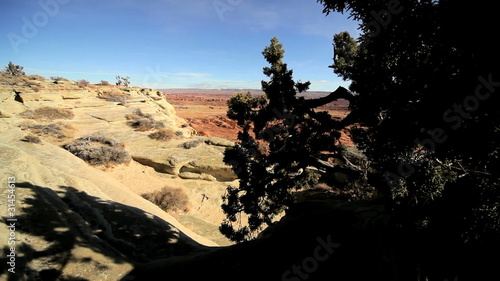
[(70, 213)]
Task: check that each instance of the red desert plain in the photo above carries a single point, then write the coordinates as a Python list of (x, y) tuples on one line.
[(205, 110)]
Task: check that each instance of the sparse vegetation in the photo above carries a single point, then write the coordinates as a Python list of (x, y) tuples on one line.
[(169, 199), (36, 88), (114, 96), (49, 113), (36, 77), (103, 83), (82, 83), (142, 121), (191, 144), (13, 69), (58, 78), (55, 130), (97, 149), (122, 81), (31, 139), (162, 135)]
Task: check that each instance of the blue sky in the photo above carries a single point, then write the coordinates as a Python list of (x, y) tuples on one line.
[(170, 43)]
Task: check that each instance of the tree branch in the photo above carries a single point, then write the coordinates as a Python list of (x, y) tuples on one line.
[(340, 93), (350, 170)]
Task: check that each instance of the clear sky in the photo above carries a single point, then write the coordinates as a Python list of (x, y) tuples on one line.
[(170, 43)]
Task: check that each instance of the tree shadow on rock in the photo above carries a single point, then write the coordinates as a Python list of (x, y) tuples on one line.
[(51, 225)]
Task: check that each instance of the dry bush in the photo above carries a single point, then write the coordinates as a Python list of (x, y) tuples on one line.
[(36, 88), (82, 83), (31, 139), (104, 83), (191, 144), (36, 77), (49, 113), (31, 83), (169, 199), (97, 149), (163, 135), (114, 96), (58, 78), (143, 122), (56, 130)]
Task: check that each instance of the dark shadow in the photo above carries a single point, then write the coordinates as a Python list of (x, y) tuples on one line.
[(327, 240), (57, 222)]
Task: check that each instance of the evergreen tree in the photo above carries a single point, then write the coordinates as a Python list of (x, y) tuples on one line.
[(282, 139), (426, 112), (14, 69)]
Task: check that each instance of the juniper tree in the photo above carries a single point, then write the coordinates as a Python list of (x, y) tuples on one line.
[(427, 112), (14, 69), (282, 145)]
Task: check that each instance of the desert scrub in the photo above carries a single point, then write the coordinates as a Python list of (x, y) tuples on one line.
[(83, 83), (49, 113), (162, 135), (169, 199), (31, 139), (143, 122), (36, 77), (113, 96), (56, 130), (97, 149), (191, 144)]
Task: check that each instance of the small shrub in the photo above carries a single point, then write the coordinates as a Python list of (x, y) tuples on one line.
[(58, 78), (169, 199), (103, 83), (56, 130), (82, 83), (97, 149), (36, 88), (162, 135), (114, 96), (142, 121), (49, 113), (36, 77), (32, 139), (191, 144)]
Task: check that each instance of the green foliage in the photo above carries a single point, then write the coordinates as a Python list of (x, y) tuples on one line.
[(345, 52), (13, 69), (242, 107), (281, 138)]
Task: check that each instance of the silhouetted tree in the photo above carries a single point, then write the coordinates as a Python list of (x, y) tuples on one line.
[(426, 107), (281, 139), (122, 81)]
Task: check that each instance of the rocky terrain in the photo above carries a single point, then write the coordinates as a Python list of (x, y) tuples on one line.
[(78, 160), (71, 213)]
